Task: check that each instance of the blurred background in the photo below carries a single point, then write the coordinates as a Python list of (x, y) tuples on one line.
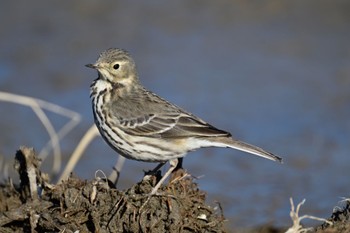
[(274, 73)]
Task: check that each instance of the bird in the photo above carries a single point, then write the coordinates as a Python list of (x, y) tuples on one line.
[(140, 125)]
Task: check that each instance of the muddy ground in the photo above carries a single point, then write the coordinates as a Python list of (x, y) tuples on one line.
[(78, 205)]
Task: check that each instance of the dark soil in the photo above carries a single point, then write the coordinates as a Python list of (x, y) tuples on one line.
[(96, 206)]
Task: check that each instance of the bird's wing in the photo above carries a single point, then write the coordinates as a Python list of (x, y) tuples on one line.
[(169, 126), (162, 119)]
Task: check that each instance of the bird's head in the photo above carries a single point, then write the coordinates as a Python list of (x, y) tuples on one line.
[(117, 67)]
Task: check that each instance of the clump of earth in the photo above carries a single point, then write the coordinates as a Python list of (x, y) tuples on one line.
[(74, 205)]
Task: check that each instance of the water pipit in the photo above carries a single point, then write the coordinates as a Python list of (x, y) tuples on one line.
[(140, 125)]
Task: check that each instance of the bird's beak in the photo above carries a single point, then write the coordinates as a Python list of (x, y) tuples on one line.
[(92, 66)]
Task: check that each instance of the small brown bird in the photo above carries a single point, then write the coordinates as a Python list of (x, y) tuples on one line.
[(140, 125)]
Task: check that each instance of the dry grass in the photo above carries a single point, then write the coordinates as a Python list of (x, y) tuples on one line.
[(38, 106), (294, 214), (55, 136)]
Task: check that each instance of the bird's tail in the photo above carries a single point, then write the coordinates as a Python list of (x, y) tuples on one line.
[(242, 146)]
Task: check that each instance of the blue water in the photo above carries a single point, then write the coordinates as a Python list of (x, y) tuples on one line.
[(275, 74)]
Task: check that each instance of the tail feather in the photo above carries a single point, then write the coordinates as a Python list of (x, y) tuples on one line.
[(242, 146)]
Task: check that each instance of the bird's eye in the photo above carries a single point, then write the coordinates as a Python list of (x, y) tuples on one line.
[(116, 66)]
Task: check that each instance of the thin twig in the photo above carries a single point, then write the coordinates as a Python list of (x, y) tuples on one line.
[(115, 174), (90, 134)]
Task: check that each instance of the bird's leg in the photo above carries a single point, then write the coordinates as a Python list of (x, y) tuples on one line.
[(158, 167), (179, 164), (178, 171), (153, 172), (173, 164)]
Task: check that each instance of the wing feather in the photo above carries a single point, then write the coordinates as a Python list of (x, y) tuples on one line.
[(156, 117)]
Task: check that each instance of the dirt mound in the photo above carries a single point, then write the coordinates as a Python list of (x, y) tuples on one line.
[(35, 205)]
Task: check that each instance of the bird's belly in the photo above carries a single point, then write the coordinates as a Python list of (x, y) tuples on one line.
[(140, 148)]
